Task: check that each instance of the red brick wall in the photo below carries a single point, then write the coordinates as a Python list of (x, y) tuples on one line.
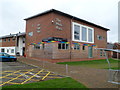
[(8, 43), (48, 30)]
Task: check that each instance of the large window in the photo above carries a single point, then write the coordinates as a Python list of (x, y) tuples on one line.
[(76, 32), (82, 33), (90, 35)]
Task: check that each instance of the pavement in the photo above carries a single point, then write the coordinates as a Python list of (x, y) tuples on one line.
[(21, 73), (90, 77)]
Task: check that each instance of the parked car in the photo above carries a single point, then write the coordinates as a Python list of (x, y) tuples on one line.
[(7, 57)]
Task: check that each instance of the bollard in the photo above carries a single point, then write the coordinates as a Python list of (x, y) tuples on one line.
[(66, 69)]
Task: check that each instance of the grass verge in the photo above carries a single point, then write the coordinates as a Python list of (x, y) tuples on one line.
[(102, 64), (54, 83)]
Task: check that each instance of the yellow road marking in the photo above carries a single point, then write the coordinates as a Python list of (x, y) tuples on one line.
[(10, 74), (7, 71), (32, 76), (20, 79), (15, 78), (13, 83), (45, 76)]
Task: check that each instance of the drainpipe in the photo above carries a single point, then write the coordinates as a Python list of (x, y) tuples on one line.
[(71, 38)]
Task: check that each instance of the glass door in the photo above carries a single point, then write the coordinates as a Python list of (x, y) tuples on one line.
[(90, 52)]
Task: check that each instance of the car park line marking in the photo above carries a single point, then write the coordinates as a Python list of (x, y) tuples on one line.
[(32, 76), (45, 76), (10, 74), (20, 79), (15, 77)]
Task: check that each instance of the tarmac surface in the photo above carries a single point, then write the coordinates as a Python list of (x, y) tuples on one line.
[(20, 73)]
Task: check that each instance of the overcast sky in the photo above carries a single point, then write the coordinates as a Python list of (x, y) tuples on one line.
[(101, 12)]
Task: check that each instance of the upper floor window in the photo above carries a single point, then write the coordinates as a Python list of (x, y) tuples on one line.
[(4, 40), (30, 33), (13, 38), (8, 39), (76, 32), (82, 33), (99, 37)]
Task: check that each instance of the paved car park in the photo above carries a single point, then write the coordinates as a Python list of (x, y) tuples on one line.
[(20, 73)]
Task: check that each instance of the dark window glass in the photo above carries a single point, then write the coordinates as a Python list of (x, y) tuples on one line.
[(9, 40), (2, 50), (36, 46), (83, 48), (67, 46), (63, 46), (12, 51), (43, 45), (76, 47), (59, 46), (4, 40), (7, 50)]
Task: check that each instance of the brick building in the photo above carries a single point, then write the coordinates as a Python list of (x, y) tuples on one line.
[(13, 44), (56, 35), (116, 47)]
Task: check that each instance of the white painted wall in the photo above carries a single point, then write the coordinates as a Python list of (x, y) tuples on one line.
[(20, 46), (9, 50)]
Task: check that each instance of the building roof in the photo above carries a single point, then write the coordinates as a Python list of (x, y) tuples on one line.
[(12, 35), (110, 45), (114, 50), (67, 15)]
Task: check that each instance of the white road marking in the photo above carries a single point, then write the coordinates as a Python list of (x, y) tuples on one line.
[(34, 74), (25, 75), (12, 66)]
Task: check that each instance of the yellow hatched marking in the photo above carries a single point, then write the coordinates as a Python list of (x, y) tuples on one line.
[(15, 78), (45, 76), (13, 83), (8, 71), (20, 79), (10, 74), (32, 76)]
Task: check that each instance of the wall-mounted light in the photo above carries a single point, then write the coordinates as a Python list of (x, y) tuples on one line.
[(52, 21)]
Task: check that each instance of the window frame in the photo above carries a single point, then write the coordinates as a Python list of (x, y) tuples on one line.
[(61, 45), (12, 50), (37, 47), (76, 47), (87, 28)]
